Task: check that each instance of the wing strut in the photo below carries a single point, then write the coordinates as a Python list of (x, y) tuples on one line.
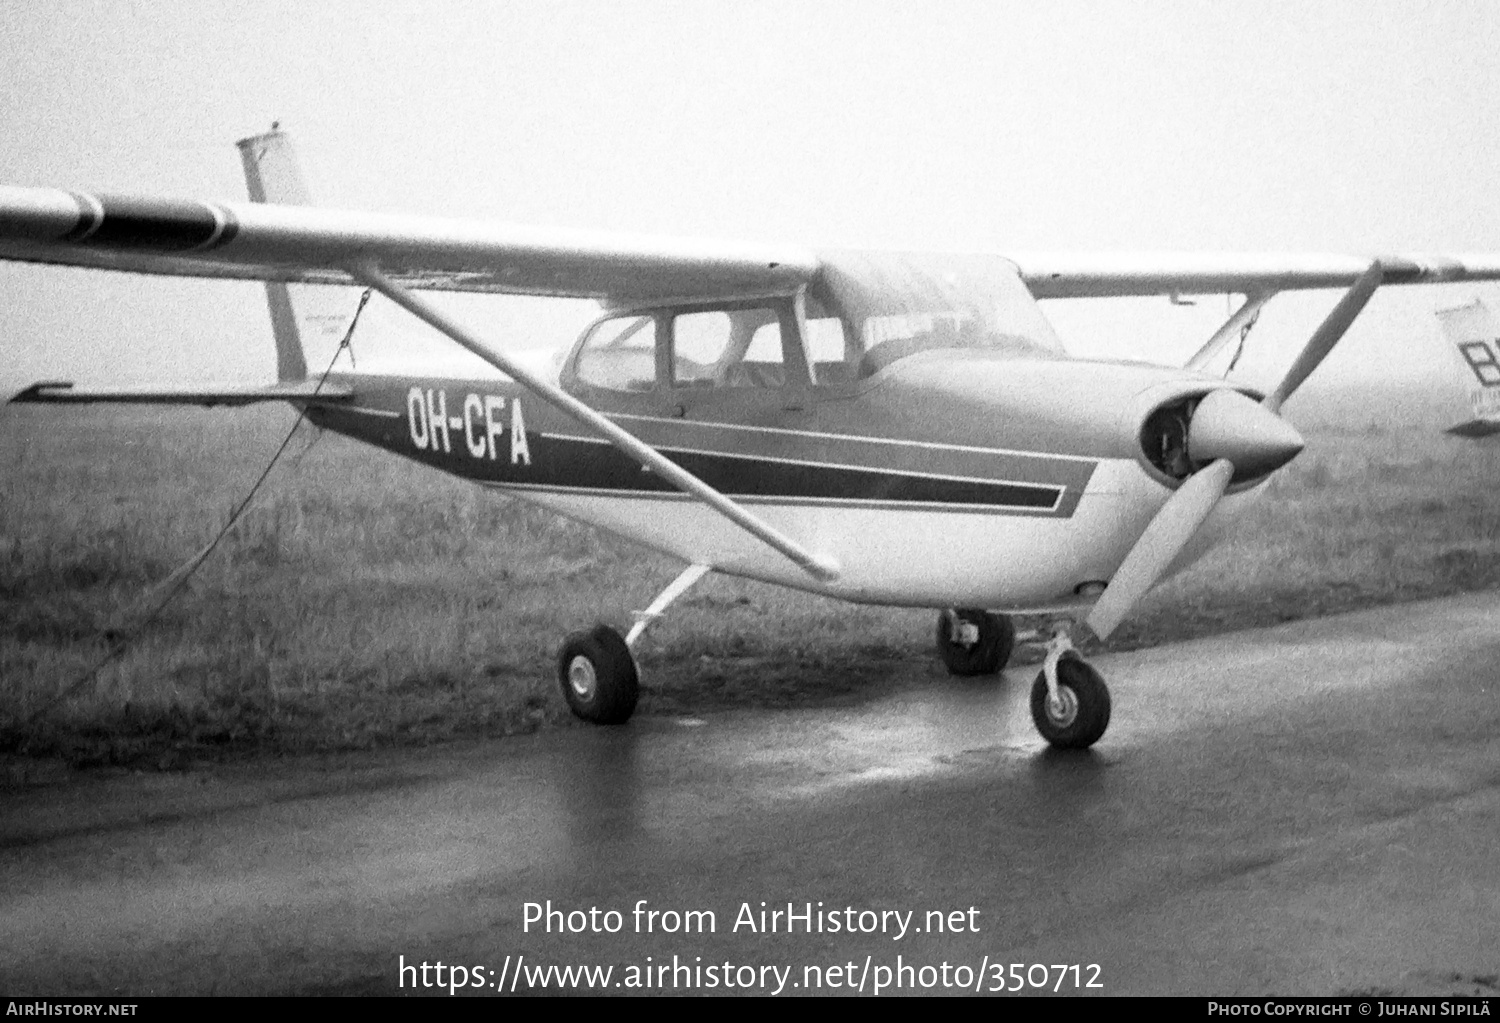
[(819, 566), (1236, 328)]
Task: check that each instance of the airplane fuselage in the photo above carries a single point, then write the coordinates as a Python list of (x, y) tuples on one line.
[(950, 479)]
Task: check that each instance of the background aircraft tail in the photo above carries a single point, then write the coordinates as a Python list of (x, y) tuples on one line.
[(300, 313), (1475, 336)]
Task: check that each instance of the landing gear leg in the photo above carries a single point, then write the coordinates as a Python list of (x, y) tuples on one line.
[(1069, 700), (676, 588), (597, 669), (974, 642)]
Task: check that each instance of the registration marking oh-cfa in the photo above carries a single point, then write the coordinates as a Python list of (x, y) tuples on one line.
[(479, 425)]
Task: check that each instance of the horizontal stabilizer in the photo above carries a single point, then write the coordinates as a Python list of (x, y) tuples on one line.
[(299, 391)]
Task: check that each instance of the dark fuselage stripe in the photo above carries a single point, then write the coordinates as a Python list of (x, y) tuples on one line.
[(559, 462), (777, 500), (851, 438), (678, 454), (993, 465)]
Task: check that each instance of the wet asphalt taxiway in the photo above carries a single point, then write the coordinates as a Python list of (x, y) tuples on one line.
[(1307, 809)]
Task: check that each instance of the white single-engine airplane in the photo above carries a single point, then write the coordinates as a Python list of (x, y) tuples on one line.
[(888, 428)]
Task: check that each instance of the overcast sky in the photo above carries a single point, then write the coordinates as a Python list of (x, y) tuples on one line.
[(1353, 127)]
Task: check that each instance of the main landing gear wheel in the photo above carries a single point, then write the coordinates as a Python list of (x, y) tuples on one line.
[(1080, 714), (974, 642), (598, 676)]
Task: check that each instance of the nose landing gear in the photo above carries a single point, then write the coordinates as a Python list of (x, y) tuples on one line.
[(1069, 701)]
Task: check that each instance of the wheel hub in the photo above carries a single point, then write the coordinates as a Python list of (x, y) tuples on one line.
[(581, 677), (1062, 707)]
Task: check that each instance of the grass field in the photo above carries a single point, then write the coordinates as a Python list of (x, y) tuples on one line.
[(366, 600)]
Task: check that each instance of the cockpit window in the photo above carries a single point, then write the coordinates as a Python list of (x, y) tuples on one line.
[(897, 304), (863, 312), (620, 354), (699, 343), (728, 348), (741, 346)]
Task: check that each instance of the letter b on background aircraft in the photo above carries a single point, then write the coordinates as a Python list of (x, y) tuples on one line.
[(1475, 335), (891, 428)]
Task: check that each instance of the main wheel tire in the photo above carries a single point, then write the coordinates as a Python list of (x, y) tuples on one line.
[(1084, 714), (598, 676), (988, 654)]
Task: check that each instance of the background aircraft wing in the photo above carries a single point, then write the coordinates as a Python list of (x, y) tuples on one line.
[(259, 241), (1062, 275)]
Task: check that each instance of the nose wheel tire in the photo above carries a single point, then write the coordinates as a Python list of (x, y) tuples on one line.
[(598, 676), (974, 642), (1080, 714)]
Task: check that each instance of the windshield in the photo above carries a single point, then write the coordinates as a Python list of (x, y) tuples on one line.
[(896, 304)]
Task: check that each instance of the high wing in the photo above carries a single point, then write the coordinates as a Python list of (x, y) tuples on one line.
[(1063, 275), (259, 241)]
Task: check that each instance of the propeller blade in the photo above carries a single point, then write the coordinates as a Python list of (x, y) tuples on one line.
[(1327, 335), (1163, 539)]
